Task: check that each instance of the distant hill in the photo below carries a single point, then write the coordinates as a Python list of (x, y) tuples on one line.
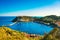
[(22, 18), (51, 18), (48, 20)]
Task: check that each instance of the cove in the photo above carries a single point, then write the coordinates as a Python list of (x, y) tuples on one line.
[(29, 27)]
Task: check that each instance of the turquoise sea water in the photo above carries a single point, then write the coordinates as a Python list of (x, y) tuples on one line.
[(29, 27)]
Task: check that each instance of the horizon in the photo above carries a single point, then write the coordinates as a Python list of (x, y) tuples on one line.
[(29, 8)]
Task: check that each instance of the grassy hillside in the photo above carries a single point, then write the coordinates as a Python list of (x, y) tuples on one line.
[(53, 35), (9, 34)]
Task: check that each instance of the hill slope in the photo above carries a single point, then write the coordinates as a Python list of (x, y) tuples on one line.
[(53, 35), (8, 34)]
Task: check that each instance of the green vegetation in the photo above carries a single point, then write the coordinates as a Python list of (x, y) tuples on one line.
[(23, 18), (53, 35), (48, 19)]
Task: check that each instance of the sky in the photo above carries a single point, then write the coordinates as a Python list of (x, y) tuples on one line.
[(29, 7)]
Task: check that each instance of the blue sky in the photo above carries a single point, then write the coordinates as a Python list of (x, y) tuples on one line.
[(24, 7)]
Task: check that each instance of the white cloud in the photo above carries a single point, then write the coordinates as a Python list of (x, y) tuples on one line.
[(53, 9)]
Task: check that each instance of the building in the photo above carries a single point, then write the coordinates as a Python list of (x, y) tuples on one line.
[(58, 23)]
